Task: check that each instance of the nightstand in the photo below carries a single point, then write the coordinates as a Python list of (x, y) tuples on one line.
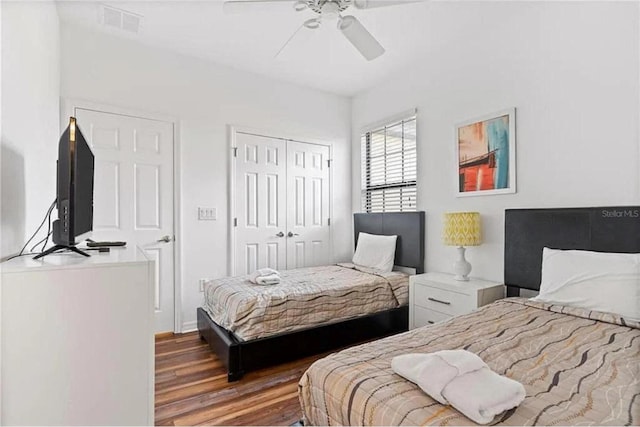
[(434, 297)]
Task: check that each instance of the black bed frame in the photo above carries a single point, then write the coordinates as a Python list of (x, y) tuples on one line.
[(241, 356), (527, 231)]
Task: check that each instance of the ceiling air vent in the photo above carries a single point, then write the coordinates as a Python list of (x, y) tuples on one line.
[(120, 19)]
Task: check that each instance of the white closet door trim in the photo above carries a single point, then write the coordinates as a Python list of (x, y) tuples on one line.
[(67, 108), (232, 131)]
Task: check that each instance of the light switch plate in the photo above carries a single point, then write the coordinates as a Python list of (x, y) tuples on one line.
[(207, 214)]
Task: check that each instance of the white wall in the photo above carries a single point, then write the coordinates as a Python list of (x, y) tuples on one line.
[(30, 117), (571, 69), (205, 98)]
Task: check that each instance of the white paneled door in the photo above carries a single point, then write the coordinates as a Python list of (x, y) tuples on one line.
[(308, 205), (281, 204), (133, 193), (260, 211)]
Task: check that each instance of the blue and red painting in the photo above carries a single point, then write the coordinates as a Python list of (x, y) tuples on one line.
[(483, 155)]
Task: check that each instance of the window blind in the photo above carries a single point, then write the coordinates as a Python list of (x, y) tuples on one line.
[(389, 167)]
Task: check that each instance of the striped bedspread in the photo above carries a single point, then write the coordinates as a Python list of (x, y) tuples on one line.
[(304, 298), (578, 368)]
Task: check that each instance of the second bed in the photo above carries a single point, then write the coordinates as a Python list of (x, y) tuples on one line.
[(304, 298), (314, 309)]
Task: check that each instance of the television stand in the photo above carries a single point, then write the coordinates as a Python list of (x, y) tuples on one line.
[(57, 248)]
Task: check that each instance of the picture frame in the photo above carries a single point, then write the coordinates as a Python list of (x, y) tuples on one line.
[(486, 154)]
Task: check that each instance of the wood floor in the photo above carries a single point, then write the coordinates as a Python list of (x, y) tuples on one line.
[(192, 388)]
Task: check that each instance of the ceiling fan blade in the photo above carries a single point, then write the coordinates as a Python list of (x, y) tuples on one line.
[(289, 40), (360, 38), (372, 4), (242, 6)]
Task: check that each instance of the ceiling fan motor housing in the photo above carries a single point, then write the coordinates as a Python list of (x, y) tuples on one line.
[(328, 6)]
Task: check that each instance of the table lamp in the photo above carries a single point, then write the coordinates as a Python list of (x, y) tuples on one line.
[(461, 229)]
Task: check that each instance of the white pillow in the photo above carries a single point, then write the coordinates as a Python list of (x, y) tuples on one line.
[(608, 282), (375, 251)]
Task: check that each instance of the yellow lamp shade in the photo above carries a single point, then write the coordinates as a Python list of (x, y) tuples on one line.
[(461, 229)]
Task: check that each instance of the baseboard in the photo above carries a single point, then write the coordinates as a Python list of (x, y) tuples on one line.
[(162, 335), (189, 326)]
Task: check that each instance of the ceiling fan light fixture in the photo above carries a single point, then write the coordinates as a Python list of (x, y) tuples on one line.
[(312, 24), (300, 5), (360, 4), (330, 11)]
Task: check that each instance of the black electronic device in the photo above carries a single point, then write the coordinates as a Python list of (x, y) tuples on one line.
[(100, 249), (93, 244), (74, 196)]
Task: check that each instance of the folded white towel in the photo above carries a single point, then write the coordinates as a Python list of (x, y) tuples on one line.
[(265, 276), (271, 279), (461, 379), (432, 372)]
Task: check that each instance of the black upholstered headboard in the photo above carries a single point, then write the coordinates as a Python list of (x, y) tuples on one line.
[(527, 231), (408, 226)]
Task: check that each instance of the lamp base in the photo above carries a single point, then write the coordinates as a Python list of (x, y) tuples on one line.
[(461, 268)]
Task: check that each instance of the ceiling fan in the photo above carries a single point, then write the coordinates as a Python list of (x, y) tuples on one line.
[(328, 11)]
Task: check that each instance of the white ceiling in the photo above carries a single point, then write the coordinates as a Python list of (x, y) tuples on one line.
[(321, 59)]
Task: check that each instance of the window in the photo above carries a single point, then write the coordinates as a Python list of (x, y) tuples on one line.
[(389, 167)]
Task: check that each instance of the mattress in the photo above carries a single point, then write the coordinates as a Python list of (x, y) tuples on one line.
[(305, 297), (577, 366)]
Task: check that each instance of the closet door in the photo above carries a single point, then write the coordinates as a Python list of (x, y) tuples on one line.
[(308, 231), (260, 203)]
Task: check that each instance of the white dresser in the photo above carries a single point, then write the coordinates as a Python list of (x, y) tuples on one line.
[(434, 297), (77, 339)]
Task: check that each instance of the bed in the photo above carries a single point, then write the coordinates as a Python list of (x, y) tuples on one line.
[(314, 309), (304, 298), (577, 366)]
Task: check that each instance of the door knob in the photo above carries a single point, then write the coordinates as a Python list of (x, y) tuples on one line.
[(165, 239), (290, 234), (280, 234)]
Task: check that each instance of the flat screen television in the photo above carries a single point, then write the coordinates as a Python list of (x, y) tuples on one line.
[(74, 195)]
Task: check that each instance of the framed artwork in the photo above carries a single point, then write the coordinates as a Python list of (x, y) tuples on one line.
[(486, 154)]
